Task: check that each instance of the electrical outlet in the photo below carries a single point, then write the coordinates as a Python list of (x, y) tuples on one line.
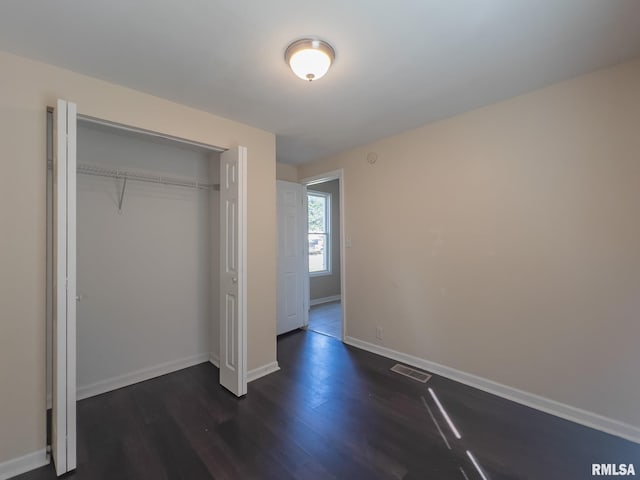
[(379, 333)]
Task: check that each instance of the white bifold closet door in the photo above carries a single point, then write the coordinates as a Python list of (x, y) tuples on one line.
[(233, 270), (63, 438)]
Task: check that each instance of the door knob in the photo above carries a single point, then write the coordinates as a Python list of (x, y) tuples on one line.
[(234, 280)]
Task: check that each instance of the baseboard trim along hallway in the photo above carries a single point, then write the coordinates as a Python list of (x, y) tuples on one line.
[(320, 301), (577, 415)]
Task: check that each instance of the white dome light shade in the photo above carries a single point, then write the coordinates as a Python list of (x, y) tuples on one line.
[(310, 64), (309, 59)]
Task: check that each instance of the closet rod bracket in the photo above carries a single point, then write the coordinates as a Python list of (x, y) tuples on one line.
[(124, 186)]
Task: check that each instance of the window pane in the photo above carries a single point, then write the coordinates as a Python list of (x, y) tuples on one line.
[(318, 252), (317, 217)]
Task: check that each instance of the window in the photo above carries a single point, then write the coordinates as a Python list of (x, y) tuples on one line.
[(319, 207)]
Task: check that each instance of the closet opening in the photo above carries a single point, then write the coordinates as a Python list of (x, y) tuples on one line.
[(148, 237)]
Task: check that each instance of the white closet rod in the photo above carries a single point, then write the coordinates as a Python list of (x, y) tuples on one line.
[(141, 177)]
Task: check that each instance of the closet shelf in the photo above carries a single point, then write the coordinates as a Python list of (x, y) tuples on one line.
[(125, 175), (98, 171)]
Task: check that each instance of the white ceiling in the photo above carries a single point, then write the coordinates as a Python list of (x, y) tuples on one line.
[(399, 63)]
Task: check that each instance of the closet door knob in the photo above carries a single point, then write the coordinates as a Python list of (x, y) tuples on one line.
[(234, 280)]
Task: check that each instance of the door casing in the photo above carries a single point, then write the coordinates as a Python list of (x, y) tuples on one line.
[(344, 244)]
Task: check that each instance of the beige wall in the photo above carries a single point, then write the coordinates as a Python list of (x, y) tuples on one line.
[(323, 286), (505, 242), (26, 88), (286, 172)]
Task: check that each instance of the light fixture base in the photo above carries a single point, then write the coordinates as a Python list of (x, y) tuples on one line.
[(309, 58)]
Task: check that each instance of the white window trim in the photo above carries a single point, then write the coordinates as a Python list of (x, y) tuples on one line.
[(327, 196)]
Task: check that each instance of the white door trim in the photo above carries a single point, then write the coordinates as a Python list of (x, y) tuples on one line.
[(242, 265), (151, 133), (306, 296), (325, 177)]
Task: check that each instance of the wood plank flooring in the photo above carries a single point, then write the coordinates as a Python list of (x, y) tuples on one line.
[(326, 318), (331, 412)]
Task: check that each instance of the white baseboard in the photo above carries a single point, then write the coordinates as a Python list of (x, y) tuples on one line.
[(254, 374), (262, 371), (26, 463), (141, 375), (215, 359), (318, 301), (574, 414)]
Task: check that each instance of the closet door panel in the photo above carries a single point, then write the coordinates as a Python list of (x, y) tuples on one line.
[(63, 441), (233, 329)]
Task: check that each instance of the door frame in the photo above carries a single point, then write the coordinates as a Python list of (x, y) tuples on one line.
[(306, 182), (241, 243)]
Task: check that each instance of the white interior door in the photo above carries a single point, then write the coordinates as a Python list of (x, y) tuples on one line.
[(233, 277), (63, 438), (291, 257)]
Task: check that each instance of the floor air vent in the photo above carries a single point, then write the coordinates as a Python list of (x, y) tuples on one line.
[(418, 375)]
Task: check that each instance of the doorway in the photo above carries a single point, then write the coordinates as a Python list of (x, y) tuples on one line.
[(325, 239)]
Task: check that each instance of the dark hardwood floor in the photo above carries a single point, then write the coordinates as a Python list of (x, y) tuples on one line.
[(332, 411), (326, 318)]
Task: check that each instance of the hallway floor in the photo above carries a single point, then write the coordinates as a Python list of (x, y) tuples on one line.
[(326, 318)]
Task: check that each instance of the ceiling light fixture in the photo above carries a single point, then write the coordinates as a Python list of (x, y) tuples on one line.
[(309, 58)]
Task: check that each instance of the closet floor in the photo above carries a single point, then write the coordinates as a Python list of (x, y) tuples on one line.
[(332, 411)]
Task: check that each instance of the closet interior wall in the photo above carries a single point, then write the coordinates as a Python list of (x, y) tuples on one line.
[(147, 275)]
